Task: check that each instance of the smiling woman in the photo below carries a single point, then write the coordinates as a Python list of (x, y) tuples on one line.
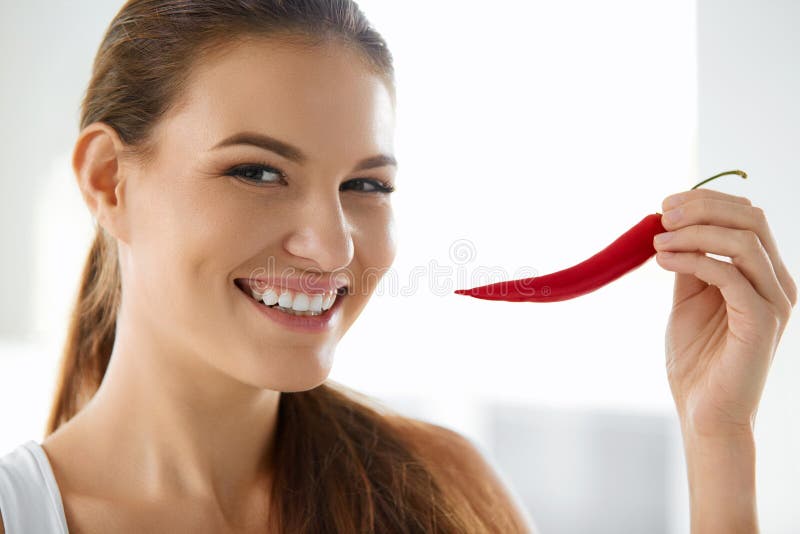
[(237, 159)]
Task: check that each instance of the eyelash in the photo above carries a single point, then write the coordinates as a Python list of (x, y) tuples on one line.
[(380, 186)]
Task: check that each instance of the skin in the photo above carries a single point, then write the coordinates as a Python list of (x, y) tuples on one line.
[(726, 322), (185, 411), (189, 402)]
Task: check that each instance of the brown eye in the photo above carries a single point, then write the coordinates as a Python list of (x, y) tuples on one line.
[(258, 173), (368, 185)]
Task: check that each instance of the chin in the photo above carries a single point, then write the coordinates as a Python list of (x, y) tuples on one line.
[(297, 370)]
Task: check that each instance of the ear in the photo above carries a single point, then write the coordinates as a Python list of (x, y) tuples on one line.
[(96, 161)]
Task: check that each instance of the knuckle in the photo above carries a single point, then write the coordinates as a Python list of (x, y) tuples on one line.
[(787, 309), (749, 239), (792, 292), (780, 312), (758, 214), (745, 201), (759, 219), (775, 319)]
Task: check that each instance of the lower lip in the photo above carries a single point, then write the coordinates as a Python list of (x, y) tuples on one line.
[(299, 323)]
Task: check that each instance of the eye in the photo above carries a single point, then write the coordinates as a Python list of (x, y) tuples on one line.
[(368, 185), (257, 173)]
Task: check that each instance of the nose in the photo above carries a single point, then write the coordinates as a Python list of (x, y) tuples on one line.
[(322, 234)]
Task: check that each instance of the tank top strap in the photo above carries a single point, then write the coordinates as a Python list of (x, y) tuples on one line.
[(30, 500)]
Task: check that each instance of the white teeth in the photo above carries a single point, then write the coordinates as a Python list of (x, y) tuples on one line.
[(327, 300), (300, 302), (285, 300), (316, 304), (270, 297), (297, 301)]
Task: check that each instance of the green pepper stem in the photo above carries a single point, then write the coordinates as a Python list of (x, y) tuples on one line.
[(740, 173)]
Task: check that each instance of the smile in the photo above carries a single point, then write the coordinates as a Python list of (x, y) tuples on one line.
[(292, 302)]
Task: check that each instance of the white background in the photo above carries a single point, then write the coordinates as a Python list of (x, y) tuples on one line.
[(530, 135)]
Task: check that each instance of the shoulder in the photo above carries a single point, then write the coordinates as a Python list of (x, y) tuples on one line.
[(462, 462), (29, 496)]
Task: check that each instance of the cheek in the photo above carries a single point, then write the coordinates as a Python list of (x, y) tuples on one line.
[(375, 242), (182, 240), (187, 224)]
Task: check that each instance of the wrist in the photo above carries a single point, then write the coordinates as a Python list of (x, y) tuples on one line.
[(722, 481), (718, 432)]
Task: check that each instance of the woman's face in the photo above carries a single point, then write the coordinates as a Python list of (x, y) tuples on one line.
[(204, 217)]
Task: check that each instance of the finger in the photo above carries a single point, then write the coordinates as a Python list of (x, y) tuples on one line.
[(742, 246), (687, 285), (739, 294), (711, 207), (770, 245), (693, 194)]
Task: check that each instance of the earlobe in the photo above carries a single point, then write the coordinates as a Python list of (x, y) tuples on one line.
[(96, 163)]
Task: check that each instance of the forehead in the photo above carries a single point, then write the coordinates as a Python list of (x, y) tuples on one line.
[(323, 98)]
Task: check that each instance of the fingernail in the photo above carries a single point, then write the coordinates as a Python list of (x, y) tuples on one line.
[(664, 237), (674, 200), (673, 215)]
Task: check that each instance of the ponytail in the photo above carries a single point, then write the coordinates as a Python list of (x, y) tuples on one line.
[(90, 335)]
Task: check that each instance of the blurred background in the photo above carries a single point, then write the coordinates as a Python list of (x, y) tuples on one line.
[(530, 135)]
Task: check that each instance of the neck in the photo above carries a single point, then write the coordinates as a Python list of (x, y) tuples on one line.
[(181, 427)]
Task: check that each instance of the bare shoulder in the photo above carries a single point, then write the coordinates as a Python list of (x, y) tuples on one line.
[(463, 463)]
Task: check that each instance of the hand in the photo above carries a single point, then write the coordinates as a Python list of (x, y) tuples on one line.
[(727, 318)]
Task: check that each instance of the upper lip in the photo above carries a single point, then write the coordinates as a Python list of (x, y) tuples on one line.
[(303, 284)]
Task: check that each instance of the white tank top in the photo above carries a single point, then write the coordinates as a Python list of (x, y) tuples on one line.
[(29, 497)]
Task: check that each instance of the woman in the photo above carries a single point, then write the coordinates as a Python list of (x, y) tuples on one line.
[(237, 158)]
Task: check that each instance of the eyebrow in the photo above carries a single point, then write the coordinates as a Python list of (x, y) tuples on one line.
[(293, 153)]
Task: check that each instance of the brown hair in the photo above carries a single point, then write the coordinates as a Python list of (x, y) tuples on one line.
[(341, 465)]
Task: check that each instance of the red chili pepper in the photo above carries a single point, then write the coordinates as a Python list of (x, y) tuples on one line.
[(628, 252)]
